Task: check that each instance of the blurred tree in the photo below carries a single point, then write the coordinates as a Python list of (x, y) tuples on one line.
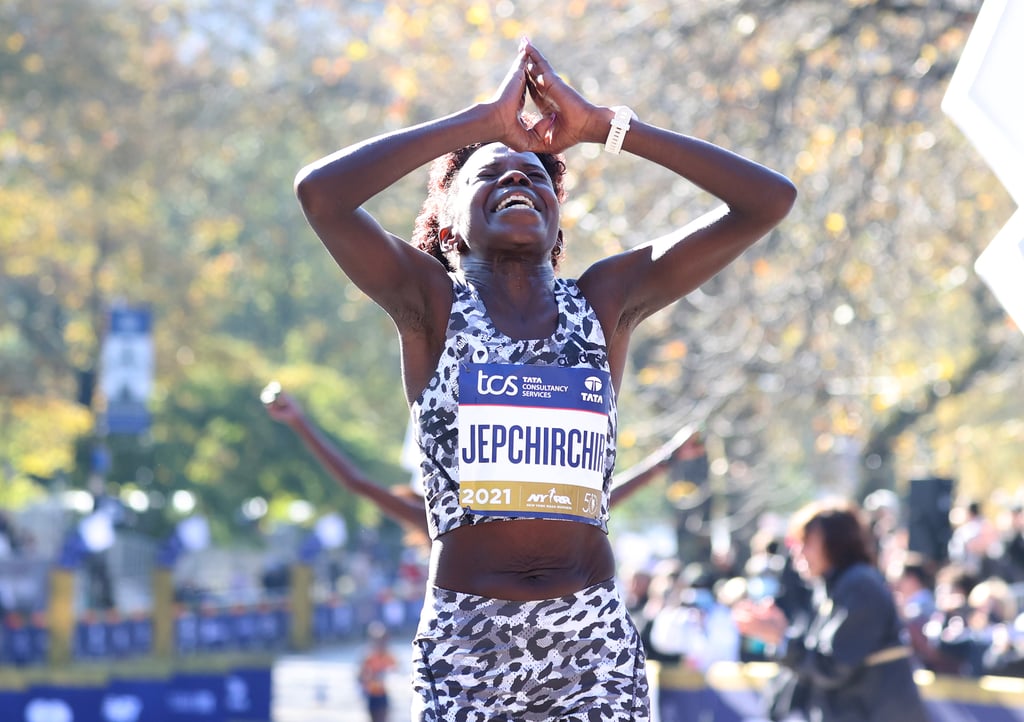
[(148, 150)]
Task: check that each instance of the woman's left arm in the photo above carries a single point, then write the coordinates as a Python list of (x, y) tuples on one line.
[(644, 279), (754, 198)]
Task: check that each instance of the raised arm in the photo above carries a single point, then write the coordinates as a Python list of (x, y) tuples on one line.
[(282, 407), (331, 191), (630, 286), (686, 444)]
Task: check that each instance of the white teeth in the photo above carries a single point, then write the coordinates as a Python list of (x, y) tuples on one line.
[(515, 199)]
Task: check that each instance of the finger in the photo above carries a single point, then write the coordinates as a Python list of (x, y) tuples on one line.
[(537, 63), (544, 129), (537, 81), (517, 68)]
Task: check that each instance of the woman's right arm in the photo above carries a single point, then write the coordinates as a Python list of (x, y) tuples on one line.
[(333, 189)]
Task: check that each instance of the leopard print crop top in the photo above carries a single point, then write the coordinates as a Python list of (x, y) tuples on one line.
[(510, 429)]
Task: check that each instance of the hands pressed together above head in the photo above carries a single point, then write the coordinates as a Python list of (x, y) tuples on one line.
[(565, 117)]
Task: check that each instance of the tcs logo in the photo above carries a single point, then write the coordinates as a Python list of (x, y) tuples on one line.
[(496, 385)]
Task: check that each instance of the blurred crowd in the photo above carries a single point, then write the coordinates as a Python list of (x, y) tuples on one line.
[(963, 613)]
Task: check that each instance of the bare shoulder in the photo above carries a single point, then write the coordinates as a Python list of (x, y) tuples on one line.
[(605, 285)]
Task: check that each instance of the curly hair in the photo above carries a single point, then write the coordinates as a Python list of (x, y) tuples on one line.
[(426, 233)]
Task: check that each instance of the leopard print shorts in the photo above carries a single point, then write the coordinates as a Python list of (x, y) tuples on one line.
[(575, 658)]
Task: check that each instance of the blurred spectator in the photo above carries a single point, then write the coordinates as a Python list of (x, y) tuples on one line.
[(10, 540), (991, 602), (973, 536), (696, 622), (373, 670), (1012, 568), (9, 545), (1005, 655), (944, 632), (913, 587), (850, 659), (989, 607), (275, 578), (637, 590), (763, 574), (770, 575), (883, 510), (660, 594)]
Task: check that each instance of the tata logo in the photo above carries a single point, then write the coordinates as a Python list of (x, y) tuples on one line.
[(121, 708), (48, 710), (496, 385), (593, 393), (550, 497)]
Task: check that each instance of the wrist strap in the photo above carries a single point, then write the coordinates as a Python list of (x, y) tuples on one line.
[(619, 126)]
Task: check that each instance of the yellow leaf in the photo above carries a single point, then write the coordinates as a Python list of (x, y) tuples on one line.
[(647, 375), (239, 77), (868, 38), (14, 43), (511, 29), (771, 79), (679, 490), (34, 64), (835, 223), (675, 350), (478, 49), (478, 15), (357, 50), (824, 136)]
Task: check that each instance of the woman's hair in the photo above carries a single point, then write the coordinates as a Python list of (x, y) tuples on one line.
[(844, 532), (426, 233)]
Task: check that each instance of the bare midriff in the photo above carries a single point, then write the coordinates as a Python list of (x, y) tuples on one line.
[(522, 560)]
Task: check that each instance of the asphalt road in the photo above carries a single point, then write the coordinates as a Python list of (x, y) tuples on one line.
[(321, 686)]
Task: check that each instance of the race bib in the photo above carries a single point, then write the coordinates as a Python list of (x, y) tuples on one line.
[(532, 440)]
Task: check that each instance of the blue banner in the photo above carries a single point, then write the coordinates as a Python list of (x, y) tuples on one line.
[(247, 693), (127, 363)]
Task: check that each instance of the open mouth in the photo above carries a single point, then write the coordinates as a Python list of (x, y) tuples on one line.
[(515, 200)]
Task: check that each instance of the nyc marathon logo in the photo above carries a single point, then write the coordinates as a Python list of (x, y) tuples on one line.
[(550, 498)]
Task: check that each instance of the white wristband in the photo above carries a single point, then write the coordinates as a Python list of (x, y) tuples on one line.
[(620, 124)]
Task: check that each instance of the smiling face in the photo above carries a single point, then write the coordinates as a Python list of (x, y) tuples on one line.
[(504, 203)]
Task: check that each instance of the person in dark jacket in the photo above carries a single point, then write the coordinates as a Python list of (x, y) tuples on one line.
[(850, 662)]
